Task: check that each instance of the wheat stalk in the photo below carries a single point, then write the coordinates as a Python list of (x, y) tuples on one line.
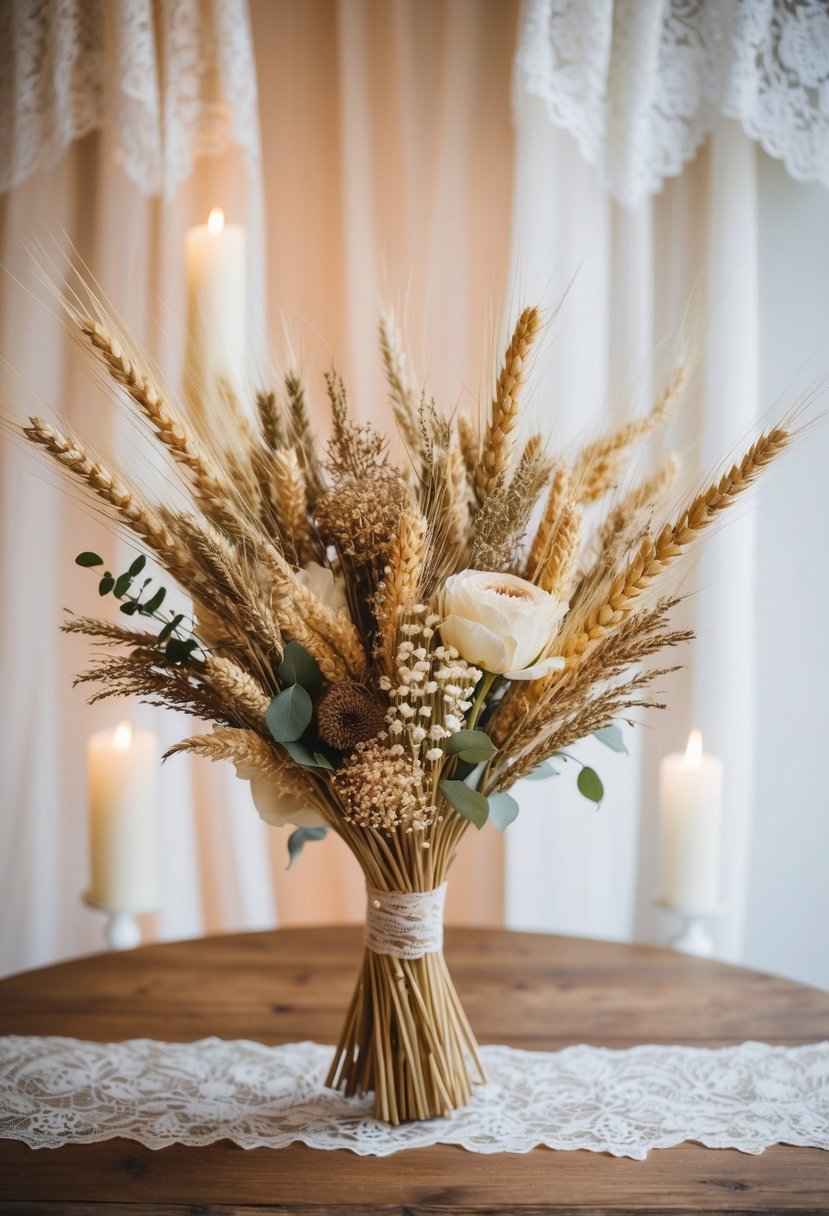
[(402, 388), (401, 585), (599, 464), (497, 445)]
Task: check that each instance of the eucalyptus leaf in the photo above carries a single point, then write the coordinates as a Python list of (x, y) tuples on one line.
[(611, 736), (88, 559), (122, 584), (300, 667), (541, 772), (179, 650), (298, 839), (154, 602), (503, 810), (467, 802), (170, 627), (590, 785), (106, 584), (130, 608), (137, 566), (304, 756), (471, 745), (289, 714)]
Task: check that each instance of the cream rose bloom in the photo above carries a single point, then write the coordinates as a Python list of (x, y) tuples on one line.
[(321, 580), (501, 623), (274, 806)]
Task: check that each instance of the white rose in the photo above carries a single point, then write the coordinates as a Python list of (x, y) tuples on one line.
[(276, 807), (501, 623), (321, 580)]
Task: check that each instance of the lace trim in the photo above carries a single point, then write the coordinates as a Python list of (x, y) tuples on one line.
[(405, 925), (56, 1091), (175, 78), (639, 84)]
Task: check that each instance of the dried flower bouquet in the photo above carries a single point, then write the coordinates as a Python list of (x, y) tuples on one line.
[(383, 652)]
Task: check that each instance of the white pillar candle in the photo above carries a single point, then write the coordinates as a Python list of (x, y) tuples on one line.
[(690, 806), (216, 306), (123, 815)]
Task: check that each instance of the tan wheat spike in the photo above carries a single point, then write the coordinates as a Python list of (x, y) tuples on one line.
[(470, 444), (654, 555), (403, 391), (495, 455), (108, 631), (647, 495), (143, 519), (560, 493), (208, 479), (242, 747), (458, 507), (402, 582), (557, 569), (244, 695), (271, 423), (290, 496), (599, 464), (302, 434)]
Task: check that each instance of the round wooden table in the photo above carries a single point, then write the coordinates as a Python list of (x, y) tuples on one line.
[(530, 990)]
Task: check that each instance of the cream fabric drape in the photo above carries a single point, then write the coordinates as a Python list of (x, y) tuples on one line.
[(699, 242), (387, 167)]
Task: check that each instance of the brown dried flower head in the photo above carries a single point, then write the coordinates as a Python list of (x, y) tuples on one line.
[(347, 715), (360, 515)]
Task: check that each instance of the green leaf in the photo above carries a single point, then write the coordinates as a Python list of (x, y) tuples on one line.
[(170, 627), (180, 651), (590, 785), (298, 839), (137, 566), (472, 745), (88, 559), (503, 810), (289, 713), (154, 602), (122, 584), (106, 584), (463, 770), (304, 756), (130, 608), (467, 802), (541, 772), (300, 667), (611, 736)]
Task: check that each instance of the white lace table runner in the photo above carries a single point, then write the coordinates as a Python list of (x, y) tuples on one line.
[(56, 1091)]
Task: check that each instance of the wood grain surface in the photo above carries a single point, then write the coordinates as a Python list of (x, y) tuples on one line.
[(530, 990)]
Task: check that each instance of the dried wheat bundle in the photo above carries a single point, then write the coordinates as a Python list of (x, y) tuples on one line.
[(381, 651)]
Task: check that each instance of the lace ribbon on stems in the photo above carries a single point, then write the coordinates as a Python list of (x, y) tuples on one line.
[(56, 1091), (175, 78), (639, 83), (405, 924)]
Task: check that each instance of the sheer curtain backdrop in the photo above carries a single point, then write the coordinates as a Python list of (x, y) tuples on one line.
[(389, 166)]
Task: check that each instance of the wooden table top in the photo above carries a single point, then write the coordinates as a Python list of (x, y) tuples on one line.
[(529, 990)]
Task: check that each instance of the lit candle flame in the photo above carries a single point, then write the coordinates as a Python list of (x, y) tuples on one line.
[(693, 752), (122, 736), (215, 221)]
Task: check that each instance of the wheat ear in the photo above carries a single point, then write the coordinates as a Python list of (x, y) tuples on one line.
[(242, 747), (559, 494), (290, 496), (557, 569), (242, 693), (504, 413), (655, 555), (600, 463), (209, 482), (402, 582), (647, 495), (402, 388)]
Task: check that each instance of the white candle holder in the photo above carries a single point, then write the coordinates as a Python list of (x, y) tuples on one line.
[(121, 929), (693, 937)]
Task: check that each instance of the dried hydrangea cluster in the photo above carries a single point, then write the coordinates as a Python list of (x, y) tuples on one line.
[(383, 789), (433, 691)]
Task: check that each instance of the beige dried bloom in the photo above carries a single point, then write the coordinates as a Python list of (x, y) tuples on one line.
[(347, 715), (360, 515), (384, 789)]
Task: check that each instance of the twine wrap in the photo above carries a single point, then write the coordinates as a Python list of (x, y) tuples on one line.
[(405, 924)]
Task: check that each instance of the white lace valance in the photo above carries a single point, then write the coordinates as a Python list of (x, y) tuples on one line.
[(174, 78), (639, 83), (56, 1091)]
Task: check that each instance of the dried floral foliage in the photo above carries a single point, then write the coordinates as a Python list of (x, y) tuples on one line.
[(310, 637)]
